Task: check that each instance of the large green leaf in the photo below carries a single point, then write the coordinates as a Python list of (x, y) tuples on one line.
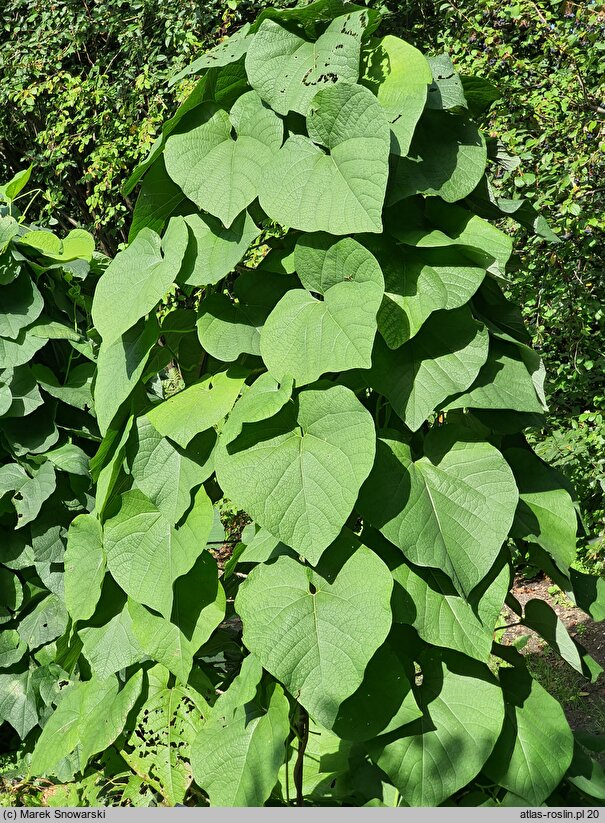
[(536, 744), (84, 567), (260, 401), (432, 758), (22, 303), (546, 513), (298, 475), (76, 391), (342, 190), (419, 283), (226, 52), (430, 604), (213, 250), (504, 382), (90, 714), (220, 173), (447, 158), (384, 701), (287, 70), (336, 329), (111, 647), (450, 509), (399, 75), (163, 472), (158, 199), (21, 350), (137, 279), (161, 640), (316, 632), (166, 726), (18, 703), (120, 366), (198, 407), (45, 623), (448, 352), (237, 755), (229, 328), (146, 553)]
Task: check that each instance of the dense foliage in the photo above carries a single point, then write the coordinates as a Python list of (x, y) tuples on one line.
[(346, 368), (88, 120), (47, 434)]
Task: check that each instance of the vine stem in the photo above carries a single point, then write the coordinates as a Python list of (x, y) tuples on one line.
[(303, 737)]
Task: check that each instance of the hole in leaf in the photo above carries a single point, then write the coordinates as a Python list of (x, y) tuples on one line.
[(312, 588)]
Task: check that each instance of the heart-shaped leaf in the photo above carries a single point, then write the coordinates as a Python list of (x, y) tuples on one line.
[(451, 509), (335, 333), (146, 553), (299, 473), (317, 631), (449, 351), (287, 71), (220, 173), (340, 190)]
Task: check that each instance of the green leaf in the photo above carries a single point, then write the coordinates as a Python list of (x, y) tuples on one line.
[(441, 617), (76, 391), (445, 356), (446, 159), (29, 497), (227, 329), (83, 715), (120, 366), (446, 91), (22, 349), (16, 184), (299, 474), (399, 75), (45, 623), (12, 648), (158, 199), (9, 228), (166, 726), (260, 401), (84, 567), (237, 755), (112, 646), (337, 330), (161, 640), (33, 434), (435, 756), (69, 458), (219, 173), (450, 509), (228, 51), (536, 744), (18, 701), (504, 382), (143, 273), (22, 303), (586, 774), (198, 407), (164, 473), (546, 513), (108, 718), (316, 632), (340, 191), (213, 250), (384, 701), (420, 283), (287, 70), (146, 552), (24, 396)]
